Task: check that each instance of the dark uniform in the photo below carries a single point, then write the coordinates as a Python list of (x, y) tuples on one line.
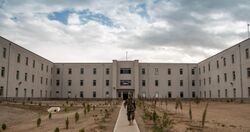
[(130, 103)]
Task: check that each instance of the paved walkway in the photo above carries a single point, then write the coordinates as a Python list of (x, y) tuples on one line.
[(122, 124)]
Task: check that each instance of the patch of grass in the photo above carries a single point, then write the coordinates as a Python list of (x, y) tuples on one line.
[(4, 126), (57, 130)]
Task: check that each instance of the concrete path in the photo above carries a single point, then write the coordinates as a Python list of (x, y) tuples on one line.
[(122, 124)]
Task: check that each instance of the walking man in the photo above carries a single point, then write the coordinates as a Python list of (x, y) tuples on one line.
[(130, 103)]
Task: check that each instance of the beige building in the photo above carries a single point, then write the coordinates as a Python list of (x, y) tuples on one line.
[(27, 75)]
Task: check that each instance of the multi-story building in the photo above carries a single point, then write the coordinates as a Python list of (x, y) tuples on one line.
[(27, 75)]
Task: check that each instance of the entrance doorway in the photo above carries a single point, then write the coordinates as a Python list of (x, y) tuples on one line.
[(125, 95)]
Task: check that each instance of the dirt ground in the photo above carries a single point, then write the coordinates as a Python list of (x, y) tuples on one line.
[(23, 118), (221, 117)]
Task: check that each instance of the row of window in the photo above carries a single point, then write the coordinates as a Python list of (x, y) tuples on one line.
[(156, 71), (32, 78), (31, 93), (94, 83), (169, 83), (224, 62), (219, 93), (169, 95), (82, 71)]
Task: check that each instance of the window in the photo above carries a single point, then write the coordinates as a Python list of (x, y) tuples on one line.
[(234, 76), (234, 92), (41, 93), (169, 94), (18, 58), (46, 81), (82, 71), (225, 93), (218, 78), (218, 93), (156, 71), (193, 72), (181, 94), (204, 81), (81, 94), (94, 82), (41, 67), (16, 92), (248, 72), (4, 52), (193, 94), (69, 82), (32, 93), (181, 83), (57, 70), (57, 82), (41, 80), (17, 75), (204, 70), (156, 83), (200, 82), (248, 91), (181, 71), (210, 94), (169, 82), (232, 58), (224, 61), (107, 71), (25, 76), (218, 65), (125, 82), (94, 94), (156, 94), (225, 77), (209, 80), (3, 72), (125, 71), (27, 61), (247, 53), (81, 82), (94, 71), (205, 94), (1, 91), (34, 64), (199, 70), (47, 68), (209, 68), (25, 92), (107, 82), (169, 71), (143, 71), (193, 82), (33, 78), (143, 82), (70, 71)]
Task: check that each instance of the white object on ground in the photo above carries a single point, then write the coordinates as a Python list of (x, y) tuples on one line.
[(54, 109)]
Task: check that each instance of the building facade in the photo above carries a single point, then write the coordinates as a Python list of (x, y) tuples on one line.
[(25, 74)]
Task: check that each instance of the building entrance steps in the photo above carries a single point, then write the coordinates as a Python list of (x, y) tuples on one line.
[(122, 124)]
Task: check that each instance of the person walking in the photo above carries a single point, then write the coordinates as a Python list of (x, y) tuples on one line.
[(131, 106)]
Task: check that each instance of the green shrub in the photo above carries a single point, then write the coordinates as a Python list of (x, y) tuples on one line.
[(67, 123), (82, 130), (4, 126), (50, 115), (38, 122), (88, 108), (76, 116), (57, 130)]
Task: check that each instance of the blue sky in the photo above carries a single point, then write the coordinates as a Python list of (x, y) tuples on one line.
[(100, 31)]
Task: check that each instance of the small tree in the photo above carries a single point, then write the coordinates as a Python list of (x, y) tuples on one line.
[(50, 115), (38, 122), (204, 116), (76, 116), (88, 107), (82, 130), (57, 130), (190, 111), (67, 123), (4, 126)]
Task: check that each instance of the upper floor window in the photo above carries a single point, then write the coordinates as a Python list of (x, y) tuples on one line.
[(193, 82), (25, 76), (18, 58), (4, 52), (33, 78), (209, 68), (47, 68), (181, 83), (156, 71), (34, 64), (156, 82), (193, 71), (248, 72), (247, 53), (209, 80), (94, 82), (169, 71), (199, 70), (94, 71), (3, 72), (169, 82), (69, 82), (232, 58), (224, 61), (204, 69), (181, 71), (143, 71), (57, 82), (107, 71), (107, 82), (218, 78), (143, 82), (57, 70), (17, 75), (82, 70), (125, 71), (81, 82), (70, 71), (41, 67), (234, 76), (27, 61), (125, 82), (217, 64), (225, 77)]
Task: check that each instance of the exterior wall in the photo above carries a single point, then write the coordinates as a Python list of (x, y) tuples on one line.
[(199, 79)]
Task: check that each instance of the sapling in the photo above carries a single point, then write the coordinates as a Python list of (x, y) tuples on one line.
[(76, 116), (190, 111), (50, 115), (4, 126), (204, 116), (67, 123), (82, 130), (57, 130), (38, 122)]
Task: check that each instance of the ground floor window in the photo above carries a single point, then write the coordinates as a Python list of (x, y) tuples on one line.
[(1, 91), (107, 93), (225, 93), (218, 93), (16, 92), (119, 95), (193, 94), (210, 94), (181, 94), (81, 94), (46, 93), (248, 91), (32, 93), (25, 92), (94, 94), (169, 95), (234, 90), (41, 93), (205, 94)]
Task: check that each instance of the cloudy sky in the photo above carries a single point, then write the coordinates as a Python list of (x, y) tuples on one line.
[(103, 30)]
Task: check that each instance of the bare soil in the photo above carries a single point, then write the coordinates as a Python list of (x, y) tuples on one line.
[(22, 118)]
